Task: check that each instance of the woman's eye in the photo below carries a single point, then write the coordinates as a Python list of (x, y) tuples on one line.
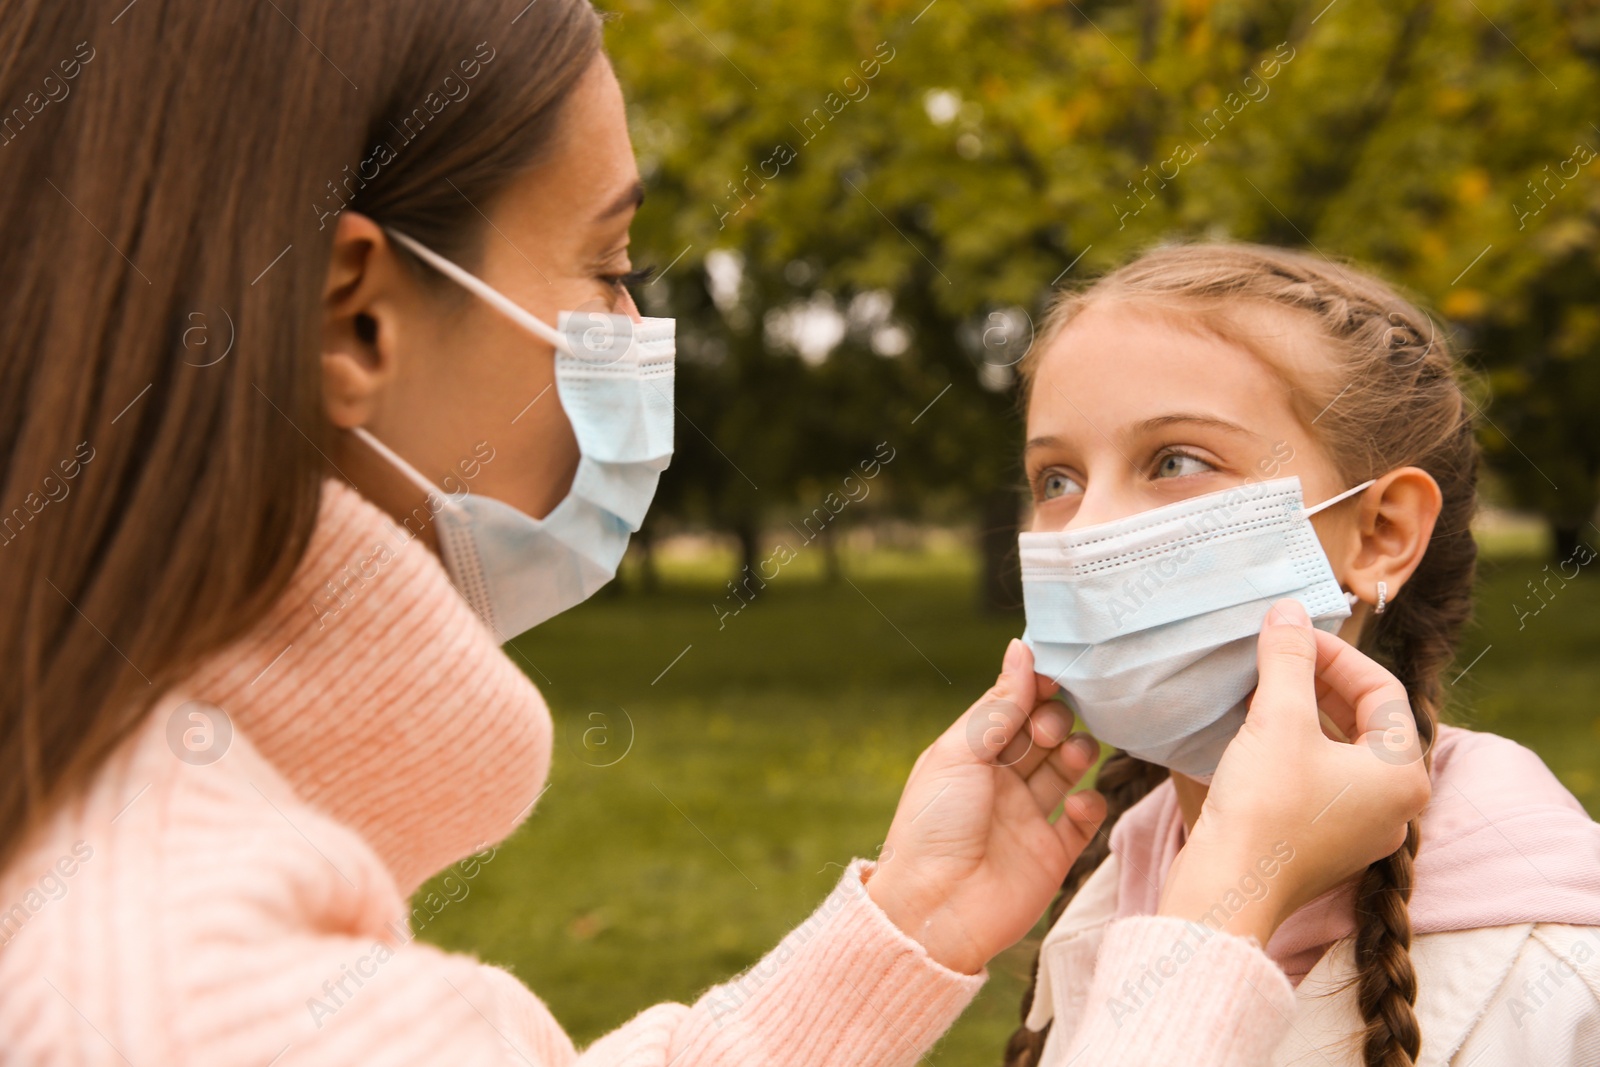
[(633, 277), (1179, 464), (1056, 484)]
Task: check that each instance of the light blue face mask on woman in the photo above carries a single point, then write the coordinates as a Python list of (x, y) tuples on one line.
[(1149, 623), (614, 378)]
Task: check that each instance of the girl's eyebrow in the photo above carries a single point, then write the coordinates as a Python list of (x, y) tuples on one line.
[(1161, 421), (1157, 423), (1042, 442)]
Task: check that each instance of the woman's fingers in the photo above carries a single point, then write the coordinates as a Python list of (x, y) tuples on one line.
[(1062, 770), (1081, 816), (1000, 716), (1383, 719), (1338, 717), (1048, 726), (1286, 659), (1348, 672)]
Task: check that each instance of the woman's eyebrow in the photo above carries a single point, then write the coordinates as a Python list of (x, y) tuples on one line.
[(1161, 421), (631, 198)]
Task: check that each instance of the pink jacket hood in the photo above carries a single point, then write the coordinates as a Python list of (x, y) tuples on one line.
[(1503, 842)]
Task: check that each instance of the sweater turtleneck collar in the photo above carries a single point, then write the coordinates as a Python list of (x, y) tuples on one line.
[(381, 697)]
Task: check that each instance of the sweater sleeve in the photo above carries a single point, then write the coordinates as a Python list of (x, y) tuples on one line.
[(845, 987), (1167, 991), (223, 922)]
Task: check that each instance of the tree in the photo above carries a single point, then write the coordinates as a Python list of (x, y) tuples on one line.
[(954, 159)]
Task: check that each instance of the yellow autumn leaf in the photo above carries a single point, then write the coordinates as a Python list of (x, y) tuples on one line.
[(1464, 304)]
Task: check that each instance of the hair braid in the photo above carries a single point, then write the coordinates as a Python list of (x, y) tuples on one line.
[(1387, 983), (1124, 781)]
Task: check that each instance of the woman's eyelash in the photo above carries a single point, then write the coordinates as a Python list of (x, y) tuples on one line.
[(637, 276)]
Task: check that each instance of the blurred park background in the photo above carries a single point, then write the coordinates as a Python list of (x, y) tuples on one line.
[(858, 209)]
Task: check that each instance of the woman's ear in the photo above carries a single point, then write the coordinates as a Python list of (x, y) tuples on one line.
[(359, 356), (1395, 524)]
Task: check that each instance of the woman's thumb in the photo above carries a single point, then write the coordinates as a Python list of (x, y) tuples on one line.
[(1286, 659), (1016, 672)]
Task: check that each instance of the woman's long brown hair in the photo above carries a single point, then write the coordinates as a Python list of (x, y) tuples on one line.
[(1389, 396), (172, 173)]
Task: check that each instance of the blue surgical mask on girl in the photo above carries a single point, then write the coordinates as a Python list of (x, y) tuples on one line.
[(1149, 623), (614, 380)]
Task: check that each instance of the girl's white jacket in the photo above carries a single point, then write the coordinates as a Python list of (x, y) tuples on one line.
[(1527, 993)]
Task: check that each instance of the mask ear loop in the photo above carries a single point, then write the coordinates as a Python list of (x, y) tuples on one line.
[(1332, 500), (481, 289), (411, 473), (1350, 598)]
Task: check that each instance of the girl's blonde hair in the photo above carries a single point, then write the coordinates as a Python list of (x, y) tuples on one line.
[(1388, 395)]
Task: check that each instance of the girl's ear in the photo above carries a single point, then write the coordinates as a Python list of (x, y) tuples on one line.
[(359, 328), (1395, 524)]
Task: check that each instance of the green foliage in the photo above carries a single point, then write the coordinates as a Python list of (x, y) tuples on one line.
[(958, 157)]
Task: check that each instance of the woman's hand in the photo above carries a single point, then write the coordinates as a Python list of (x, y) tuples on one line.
[(972, 859), (1292, 813)]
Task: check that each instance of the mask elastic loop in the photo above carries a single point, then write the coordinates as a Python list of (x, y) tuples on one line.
[(521, 316), (1332, 500), (413, 475)]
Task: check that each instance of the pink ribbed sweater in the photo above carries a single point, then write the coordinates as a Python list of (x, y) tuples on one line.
[(231, 888)]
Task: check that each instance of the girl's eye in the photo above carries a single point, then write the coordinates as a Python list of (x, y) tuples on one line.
[(1056, 484), (1180, 464)]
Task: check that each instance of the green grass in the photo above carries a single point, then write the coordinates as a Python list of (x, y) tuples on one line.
[(775, 748)]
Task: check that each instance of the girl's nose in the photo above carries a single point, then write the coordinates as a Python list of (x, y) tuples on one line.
[(1104, 501)]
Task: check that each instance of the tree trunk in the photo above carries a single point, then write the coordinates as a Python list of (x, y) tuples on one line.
[(748, 530), (1001, 588), (1568, 536), (649, 577), (832, 566)]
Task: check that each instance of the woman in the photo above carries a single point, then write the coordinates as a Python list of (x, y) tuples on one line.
[(294, 446)]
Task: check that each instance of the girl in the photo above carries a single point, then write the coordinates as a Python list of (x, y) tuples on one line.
[(1199, 380)]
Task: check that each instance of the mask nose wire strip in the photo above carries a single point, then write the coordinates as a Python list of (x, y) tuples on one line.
[(1332, 500), (521, 316), (412, 474)]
